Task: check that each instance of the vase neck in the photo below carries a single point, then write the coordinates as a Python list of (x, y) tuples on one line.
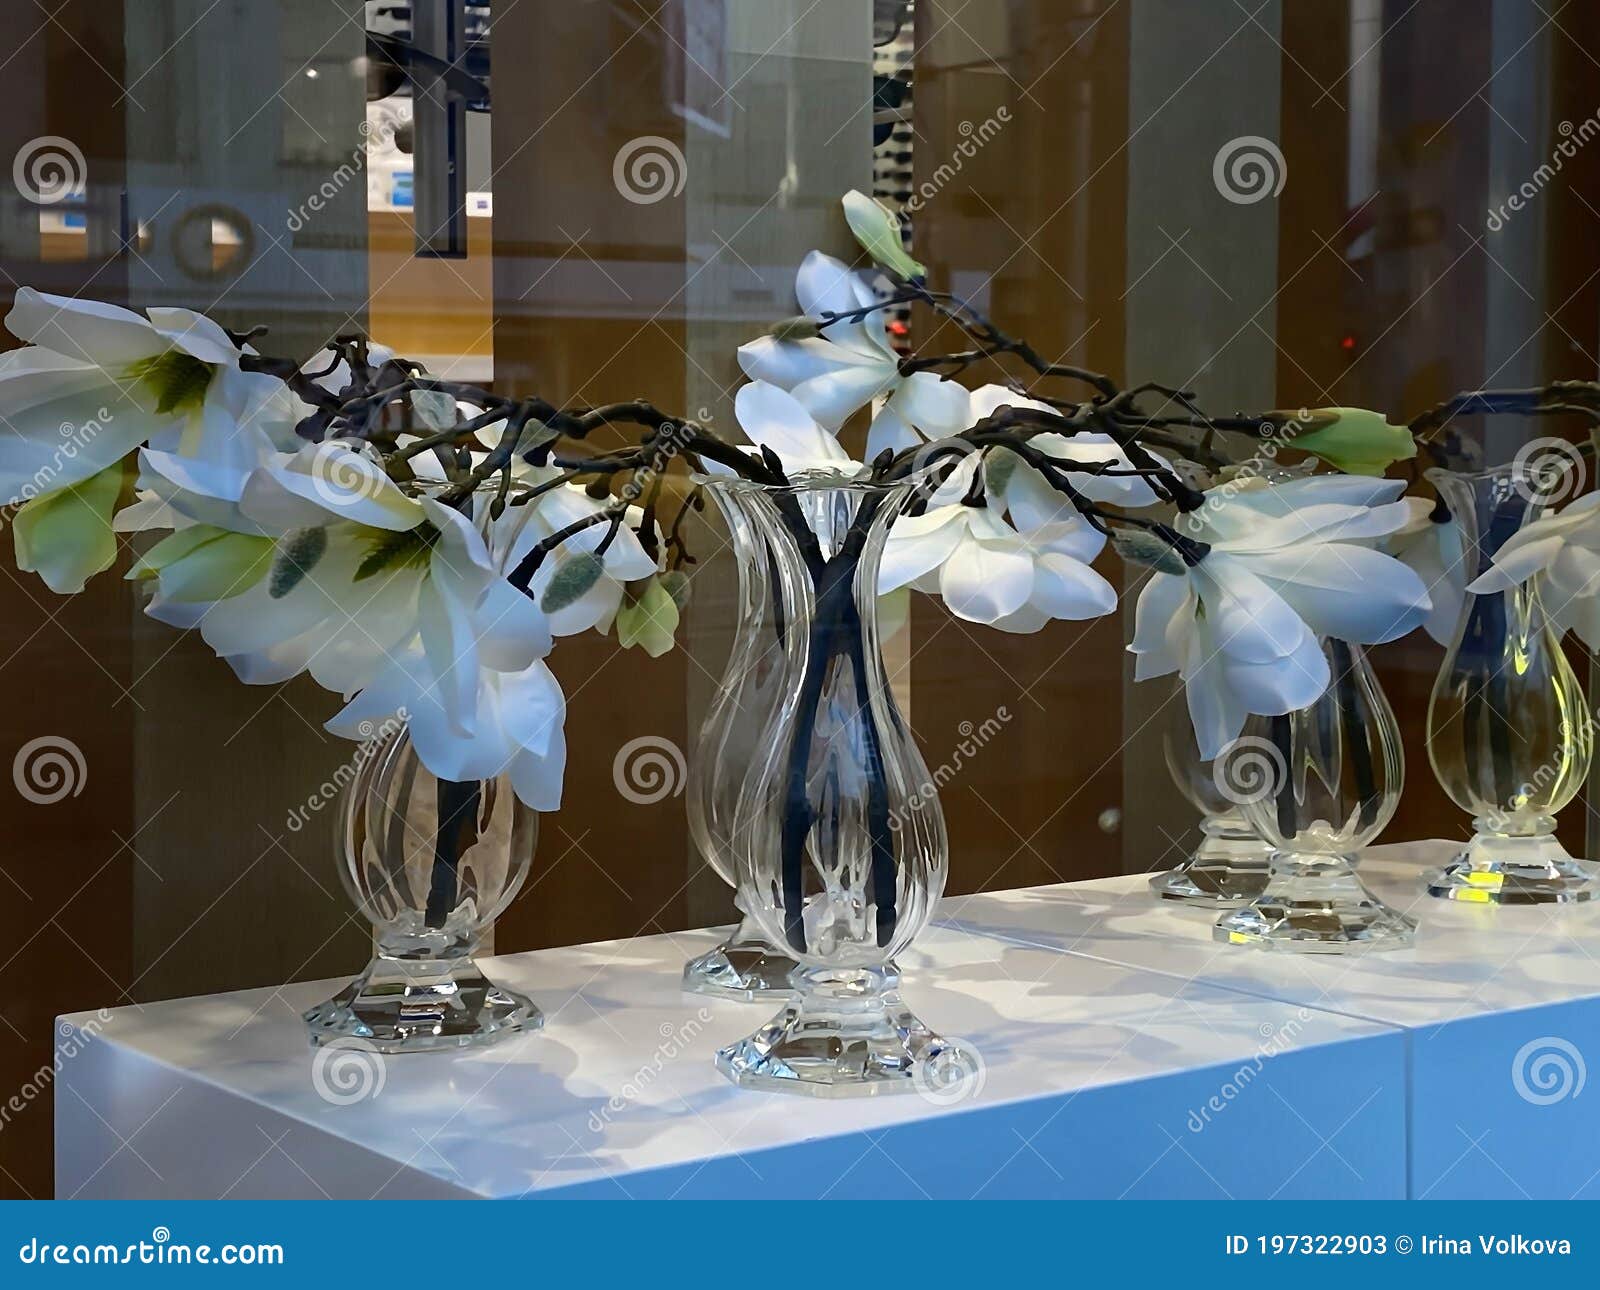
[(1491, 507)]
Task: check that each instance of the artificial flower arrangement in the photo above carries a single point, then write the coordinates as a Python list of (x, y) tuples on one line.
[(416, 545)]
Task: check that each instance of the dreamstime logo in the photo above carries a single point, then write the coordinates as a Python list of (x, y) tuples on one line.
[(338, 479), (1548, 1070), (381, 135), (944, 456), (1249, 769), (973, 739), (49, 169), (375, 738), (347, 1071), (71, 1039), (1572, 137), (973, 139), (648, 769), (1275, 1040), (1249, 169), (1276, 434), (49, 768), (1548, 471), (675, 1041), (954, 1074), (648, 169)]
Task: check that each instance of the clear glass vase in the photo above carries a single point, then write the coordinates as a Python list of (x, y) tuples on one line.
[(1229, 865), (1509, 734), (745, 965), (1319, 784), (431, 863), (841, 844)]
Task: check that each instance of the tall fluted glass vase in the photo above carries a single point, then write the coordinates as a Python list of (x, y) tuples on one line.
[(431, 862), (840, 841), (1509, 734), (1319, 784), (744, 965)]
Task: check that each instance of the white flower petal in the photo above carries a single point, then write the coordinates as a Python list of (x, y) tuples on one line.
[(918, 544), (1351, 593), (106, 335), (937, 407), (983, 581)]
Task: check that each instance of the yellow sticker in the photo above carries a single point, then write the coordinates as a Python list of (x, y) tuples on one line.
[(1479, 879), (1473, 896)]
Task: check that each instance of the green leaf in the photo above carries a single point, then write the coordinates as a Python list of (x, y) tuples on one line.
[(393, 552), (879, 234), (297, 554), (650, 621), (65, 536), (1147, 549), (571, 580)]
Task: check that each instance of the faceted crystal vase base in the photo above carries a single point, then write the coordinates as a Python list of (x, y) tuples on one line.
[(1315, 904), (401, 1006), (743, 967), (1497, 869), (1224, 871), (846, 1033)]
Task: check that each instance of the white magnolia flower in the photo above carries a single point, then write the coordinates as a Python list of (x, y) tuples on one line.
[(1431, 545), (96, 382), (1088, 447), (623, 561), (777, 420), (1286, 564), (1563, 548), (332, 480), (369, 595), (516, 727), (851, 363), (1014, 575)]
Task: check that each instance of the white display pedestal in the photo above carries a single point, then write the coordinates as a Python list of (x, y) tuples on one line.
[(1099, 1080), (1500, 1008)]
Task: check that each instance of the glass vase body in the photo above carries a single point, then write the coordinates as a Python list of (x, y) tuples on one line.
[(744, 965), (431, 863), (1509, 733), (1229, 865), (840, 841), (1319, 784)]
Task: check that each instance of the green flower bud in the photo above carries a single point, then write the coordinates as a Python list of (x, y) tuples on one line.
[(571, 581), (1352, 440), (800, 327), (879, 235), (1144, 548)]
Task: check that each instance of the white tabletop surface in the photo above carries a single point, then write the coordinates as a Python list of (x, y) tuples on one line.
[(622, 1080), (1467, 959)]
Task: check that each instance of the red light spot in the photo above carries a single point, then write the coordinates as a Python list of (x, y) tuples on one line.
[(1347, 343)]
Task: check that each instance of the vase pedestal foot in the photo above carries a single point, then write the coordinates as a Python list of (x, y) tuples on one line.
[(1223, 872), (1498, 869), (1315, 904), (743, 967), (403, 1006), (845, 1033)]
